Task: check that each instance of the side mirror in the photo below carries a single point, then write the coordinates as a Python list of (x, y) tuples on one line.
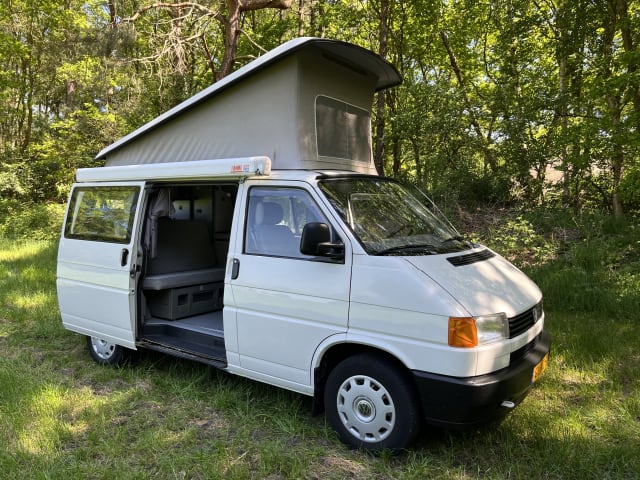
[(316, 240)]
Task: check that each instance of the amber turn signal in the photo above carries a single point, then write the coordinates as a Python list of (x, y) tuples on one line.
[(462, 332)]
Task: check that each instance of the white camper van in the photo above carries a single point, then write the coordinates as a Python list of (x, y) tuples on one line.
[(247, 229)]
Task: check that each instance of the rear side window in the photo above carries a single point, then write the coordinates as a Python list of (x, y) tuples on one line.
[(102, 214), (342, 130)]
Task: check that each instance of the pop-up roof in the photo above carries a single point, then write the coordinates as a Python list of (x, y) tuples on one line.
[(305, 104)]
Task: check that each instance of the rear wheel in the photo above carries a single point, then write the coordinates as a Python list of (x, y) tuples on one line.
[(371, 404), (106, 353)]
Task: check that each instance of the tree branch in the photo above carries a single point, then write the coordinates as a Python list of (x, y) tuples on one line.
[(474, 121), (172, 6), (249, 5)]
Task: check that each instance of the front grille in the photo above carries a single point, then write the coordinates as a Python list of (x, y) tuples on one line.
[(525, 320), (470, 258)]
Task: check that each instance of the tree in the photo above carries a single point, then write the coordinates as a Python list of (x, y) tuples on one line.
[(199, 18), (622, 88), (37, 41), (496, 94), (232, 27)]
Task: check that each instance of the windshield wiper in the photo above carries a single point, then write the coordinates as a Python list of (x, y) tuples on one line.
[(425, 247), (455, 238)]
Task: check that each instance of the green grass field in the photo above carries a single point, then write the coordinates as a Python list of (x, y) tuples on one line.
[(64, 417)]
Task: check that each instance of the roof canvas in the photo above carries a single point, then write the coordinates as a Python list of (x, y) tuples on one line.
[(302, 104)]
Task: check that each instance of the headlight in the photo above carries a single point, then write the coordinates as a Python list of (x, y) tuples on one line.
[(469, 332), (492, 328)]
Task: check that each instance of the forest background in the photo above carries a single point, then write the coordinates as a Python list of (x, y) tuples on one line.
[(517, 102)]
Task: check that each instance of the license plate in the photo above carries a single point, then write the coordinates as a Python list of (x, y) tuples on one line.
[(539, 368)]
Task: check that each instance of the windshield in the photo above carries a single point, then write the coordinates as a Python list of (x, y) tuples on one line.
[(389, 220)]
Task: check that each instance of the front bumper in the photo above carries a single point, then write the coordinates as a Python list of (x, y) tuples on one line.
[(465, 402)]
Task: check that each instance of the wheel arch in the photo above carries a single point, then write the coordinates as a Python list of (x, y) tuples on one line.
[(332, 354)]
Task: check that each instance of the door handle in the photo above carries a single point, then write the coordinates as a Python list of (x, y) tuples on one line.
[(235, 269), (124, 256)]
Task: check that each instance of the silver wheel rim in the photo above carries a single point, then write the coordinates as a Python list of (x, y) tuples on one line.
[(103, 349), (366, 408)]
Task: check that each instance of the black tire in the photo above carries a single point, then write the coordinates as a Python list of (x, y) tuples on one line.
[(104, 352), (371, 403)]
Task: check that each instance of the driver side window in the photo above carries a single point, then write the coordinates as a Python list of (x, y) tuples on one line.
[(276, 217)]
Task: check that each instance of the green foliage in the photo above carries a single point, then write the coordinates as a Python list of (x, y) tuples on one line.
[(12, 180), (518, 240), (485, 189), (629, 189), (587, 263), (496, 95), (20, 220), (604, 267)]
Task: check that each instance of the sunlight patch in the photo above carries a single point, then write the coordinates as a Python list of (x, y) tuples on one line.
[(55, 417), (12, 250), (339, 464), (31, 300)]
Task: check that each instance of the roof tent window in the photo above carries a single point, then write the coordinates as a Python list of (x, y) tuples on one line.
[(342, 130)]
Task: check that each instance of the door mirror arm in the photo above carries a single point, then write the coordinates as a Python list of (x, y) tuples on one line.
[(316, 240), (334, 251)]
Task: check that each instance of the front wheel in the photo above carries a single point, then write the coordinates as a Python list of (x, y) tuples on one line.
[(371, 404), (105, 352)]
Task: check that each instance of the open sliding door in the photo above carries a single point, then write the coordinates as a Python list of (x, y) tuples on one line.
[(97, 260)]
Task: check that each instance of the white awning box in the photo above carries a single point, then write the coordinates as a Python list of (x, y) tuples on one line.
[(200, 169)]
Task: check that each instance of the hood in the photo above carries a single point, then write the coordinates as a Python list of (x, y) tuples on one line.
[(483, 282)]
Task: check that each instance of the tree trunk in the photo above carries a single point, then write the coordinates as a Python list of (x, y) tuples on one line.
[(378, 157), (231, 32), (563, 112), (397, 163), (617, 158), (113, 14), (488, 156), (301, 19), (232, 28), (421, 177), (614, 101), (629, 45)]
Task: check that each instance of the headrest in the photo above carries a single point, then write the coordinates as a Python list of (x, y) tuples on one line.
[(268, 213)]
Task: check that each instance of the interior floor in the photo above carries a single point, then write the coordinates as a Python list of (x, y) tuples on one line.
[(200, 336), (207, 323)]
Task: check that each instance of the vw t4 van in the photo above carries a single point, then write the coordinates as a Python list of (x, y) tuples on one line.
[(247, 228)]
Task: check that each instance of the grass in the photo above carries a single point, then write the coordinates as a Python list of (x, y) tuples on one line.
[(64, 417)]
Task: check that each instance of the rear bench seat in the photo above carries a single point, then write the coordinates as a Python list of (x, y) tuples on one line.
[(183, 278)]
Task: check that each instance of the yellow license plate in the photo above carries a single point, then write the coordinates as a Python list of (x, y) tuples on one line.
[(540, 367)]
